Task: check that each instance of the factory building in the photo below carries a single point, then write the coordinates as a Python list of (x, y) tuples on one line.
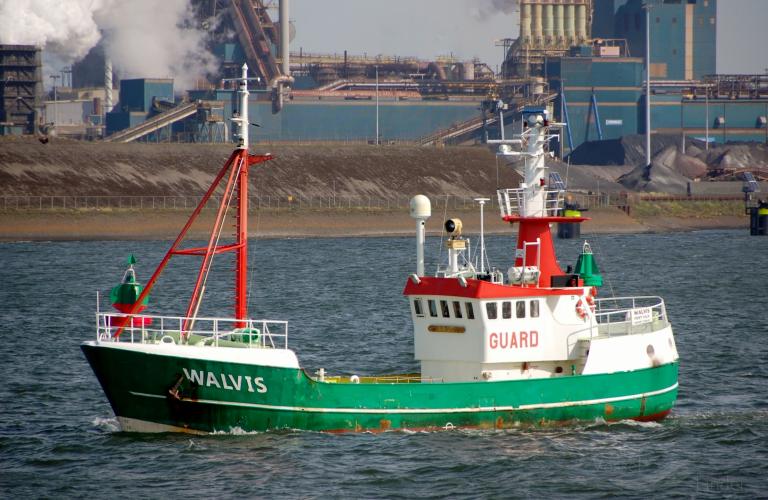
[(683, 34), (21, 89), (139, 98), (337, 119), (305, 96), (598, 82), (548, 29), (583, 58), (598, 97)]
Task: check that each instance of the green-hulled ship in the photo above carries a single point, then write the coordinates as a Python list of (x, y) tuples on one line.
[(533, 344)]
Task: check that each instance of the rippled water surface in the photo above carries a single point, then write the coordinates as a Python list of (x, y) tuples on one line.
[(343, 300)]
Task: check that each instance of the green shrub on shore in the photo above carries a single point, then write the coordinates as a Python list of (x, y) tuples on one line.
[(693, 209)]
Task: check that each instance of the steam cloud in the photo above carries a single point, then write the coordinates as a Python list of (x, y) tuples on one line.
[(144, 38), (484, 9)]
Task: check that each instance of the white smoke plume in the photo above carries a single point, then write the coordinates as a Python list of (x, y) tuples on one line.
[(482, 10), (63, 27), (144, 38), (158, 39)]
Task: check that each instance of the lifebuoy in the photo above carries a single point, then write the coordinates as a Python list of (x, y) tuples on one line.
[(581, 311), (593, 291), (591, 302)]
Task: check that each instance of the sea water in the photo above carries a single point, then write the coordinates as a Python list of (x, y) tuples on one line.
[(343, 299)]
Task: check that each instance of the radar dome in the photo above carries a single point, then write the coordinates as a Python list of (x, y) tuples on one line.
[(421, 208)]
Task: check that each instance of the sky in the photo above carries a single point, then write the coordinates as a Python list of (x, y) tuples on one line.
[(469, 28)]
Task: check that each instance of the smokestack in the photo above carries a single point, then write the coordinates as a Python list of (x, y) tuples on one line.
[(559, 28), (570, 23), (107, 84), (525, 22), (285, 26), (538, 27), (581, 22)]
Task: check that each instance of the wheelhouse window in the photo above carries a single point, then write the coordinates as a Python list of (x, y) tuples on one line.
[(444, 309), (417, 307), (520, 309), (470, 310), (456, 309), (534, 308), (432, 308), (506, 310), (491, 310)]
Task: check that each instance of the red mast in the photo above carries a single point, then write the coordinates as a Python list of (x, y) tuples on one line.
[(241, 268), (236, 171)]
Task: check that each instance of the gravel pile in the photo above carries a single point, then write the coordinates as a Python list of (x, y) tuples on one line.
[(671, 170)]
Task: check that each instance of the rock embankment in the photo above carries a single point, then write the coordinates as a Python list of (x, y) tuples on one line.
[(73, 168), (69, 168)]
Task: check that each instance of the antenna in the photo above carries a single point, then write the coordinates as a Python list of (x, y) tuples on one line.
[(481, 202), (242, 120)]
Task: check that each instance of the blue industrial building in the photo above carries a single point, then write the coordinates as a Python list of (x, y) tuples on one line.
[(683, 34), (340, 120), (355, 120), (601, 94), (136, 100), (604, 98), (599, 97), (137, 94)]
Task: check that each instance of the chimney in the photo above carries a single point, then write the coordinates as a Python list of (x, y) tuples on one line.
[(107, 84), (285, 36)]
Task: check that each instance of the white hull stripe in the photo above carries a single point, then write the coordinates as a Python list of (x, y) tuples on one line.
[(303, 409)]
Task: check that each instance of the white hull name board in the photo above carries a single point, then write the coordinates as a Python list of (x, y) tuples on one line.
[(641, 315)]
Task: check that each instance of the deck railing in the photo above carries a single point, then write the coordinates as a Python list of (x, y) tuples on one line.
[(204, 332), (630, 315), (614, 317), (512, 202)]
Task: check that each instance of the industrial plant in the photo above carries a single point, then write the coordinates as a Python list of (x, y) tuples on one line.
[(584, 59)]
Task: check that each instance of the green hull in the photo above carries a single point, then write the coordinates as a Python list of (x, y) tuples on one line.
[(181, 394)]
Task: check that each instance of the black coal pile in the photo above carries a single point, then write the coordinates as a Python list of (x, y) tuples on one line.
[(671, 170), (662, 176), (628, 150)]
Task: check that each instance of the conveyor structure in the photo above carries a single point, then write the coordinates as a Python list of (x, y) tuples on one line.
[(157, 122)]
